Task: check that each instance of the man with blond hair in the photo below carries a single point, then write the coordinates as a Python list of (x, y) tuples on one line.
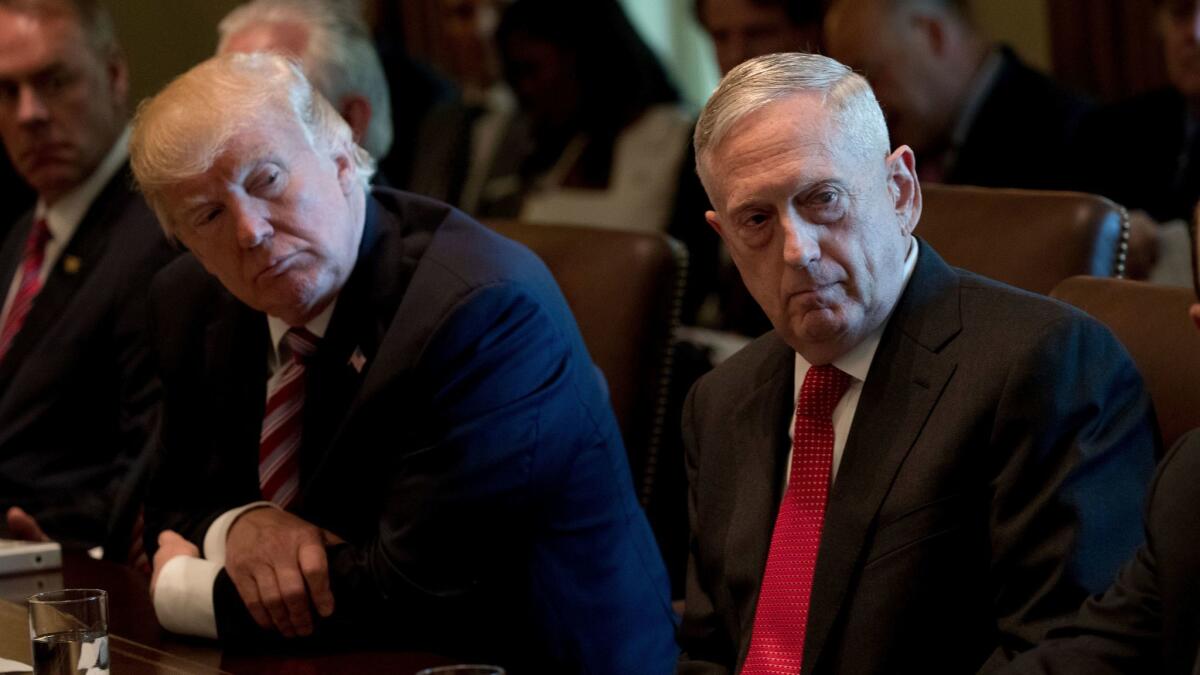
[(918, 469), (380, 420)]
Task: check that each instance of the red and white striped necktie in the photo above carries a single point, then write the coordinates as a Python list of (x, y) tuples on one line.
[(29, 285), (283, 422), (781, 618)]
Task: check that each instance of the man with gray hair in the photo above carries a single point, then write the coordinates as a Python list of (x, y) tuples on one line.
[(918, 469), (331, 42), (380, 421)]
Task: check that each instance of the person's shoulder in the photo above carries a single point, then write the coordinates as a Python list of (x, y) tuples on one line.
[(454, 256), (183, 282), (1177, 473), (753, 366), (1016, 319)]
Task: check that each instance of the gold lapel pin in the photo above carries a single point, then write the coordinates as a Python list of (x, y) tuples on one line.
[(71, 264)]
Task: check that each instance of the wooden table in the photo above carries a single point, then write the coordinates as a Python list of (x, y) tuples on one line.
[(138, 646)]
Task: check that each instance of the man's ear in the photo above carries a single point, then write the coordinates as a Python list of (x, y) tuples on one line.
[(1194, 312), (903, 187), (932, 30), (356, 110), (347, 172), (714, 221), (118, 77)]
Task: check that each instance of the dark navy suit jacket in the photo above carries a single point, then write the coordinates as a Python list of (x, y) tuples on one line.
[(473, 465), (78, 393)]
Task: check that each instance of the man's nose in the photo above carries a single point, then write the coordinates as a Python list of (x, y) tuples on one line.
[(800, 245), (31, 107), (250, 228)]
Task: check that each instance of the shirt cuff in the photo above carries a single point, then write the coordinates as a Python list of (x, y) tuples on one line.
[(183, 596), (214, 538)]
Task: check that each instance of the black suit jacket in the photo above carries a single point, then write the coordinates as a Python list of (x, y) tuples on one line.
[(78, 393), (473, 465), (1138, 154), (992, 478), (1022, 132), (1149, 620)]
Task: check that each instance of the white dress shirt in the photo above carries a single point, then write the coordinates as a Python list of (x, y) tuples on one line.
[(855, 363), (183, 595), (63, 216)]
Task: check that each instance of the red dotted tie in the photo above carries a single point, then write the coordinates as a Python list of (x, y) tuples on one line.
[(282, 430), (777, 643), (29, 285)]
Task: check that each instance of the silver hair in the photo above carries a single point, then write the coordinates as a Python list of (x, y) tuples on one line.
[(340, 59), (761, 81), (180, 132)]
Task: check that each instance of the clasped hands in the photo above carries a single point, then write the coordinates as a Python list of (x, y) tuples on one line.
[(277, 563)]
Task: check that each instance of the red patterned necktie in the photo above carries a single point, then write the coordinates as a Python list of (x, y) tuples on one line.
[(279, 443), (777, 641), (29, 285)]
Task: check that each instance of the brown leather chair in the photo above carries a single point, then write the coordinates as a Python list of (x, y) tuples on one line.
[(1152, 322), (1031, 239), (625, 290)]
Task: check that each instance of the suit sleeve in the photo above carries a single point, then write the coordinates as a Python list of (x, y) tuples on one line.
[(706, 647), (460, 474), (1074, 442), (1124, 630)]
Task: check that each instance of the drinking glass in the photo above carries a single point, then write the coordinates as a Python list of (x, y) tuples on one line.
[(69, 629)]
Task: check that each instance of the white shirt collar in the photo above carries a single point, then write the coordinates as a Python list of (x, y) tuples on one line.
[(278, 327), (857, 362), (63, 217)]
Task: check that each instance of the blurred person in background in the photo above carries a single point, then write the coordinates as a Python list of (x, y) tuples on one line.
[(970, 109), (743, 29), (1144, 153), (78, 393), (331, 43), (459, 140)]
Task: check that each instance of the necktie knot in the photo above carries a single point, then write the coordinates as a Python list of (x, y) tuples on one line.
[(301, 344), (39, 236), (822, 389)]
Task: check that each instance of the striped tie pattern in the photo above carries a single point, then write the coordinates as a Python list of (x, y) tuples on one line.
[(29, 285), (279, 443), (781, 618)]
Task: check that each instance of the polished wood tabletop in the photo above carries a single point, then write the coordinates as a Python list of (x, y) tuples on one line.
[(138, 646)]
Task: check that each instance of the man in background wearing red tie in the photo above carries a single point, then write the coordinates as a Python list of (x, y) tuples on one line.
[(918, 470), (78, 396)]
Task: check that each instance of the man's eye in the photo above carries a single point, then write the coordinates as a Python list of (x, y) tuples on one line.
[(755, 220), (208, 216), (825, 198)]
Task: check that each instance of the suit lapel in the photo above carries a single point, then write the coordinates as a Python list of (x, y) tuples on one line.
[(235, 353), (10, 255), (905, 381), (65, 279), (761, 425), (363, 316)]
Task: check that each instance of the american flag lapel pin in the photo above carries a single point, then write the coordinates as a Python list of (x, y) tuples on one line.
[(357, 360)]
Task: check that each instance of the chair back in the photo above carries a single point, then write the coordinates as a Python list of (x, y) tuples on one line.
[(1152, 322), (625, 290), (1032, 239)]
